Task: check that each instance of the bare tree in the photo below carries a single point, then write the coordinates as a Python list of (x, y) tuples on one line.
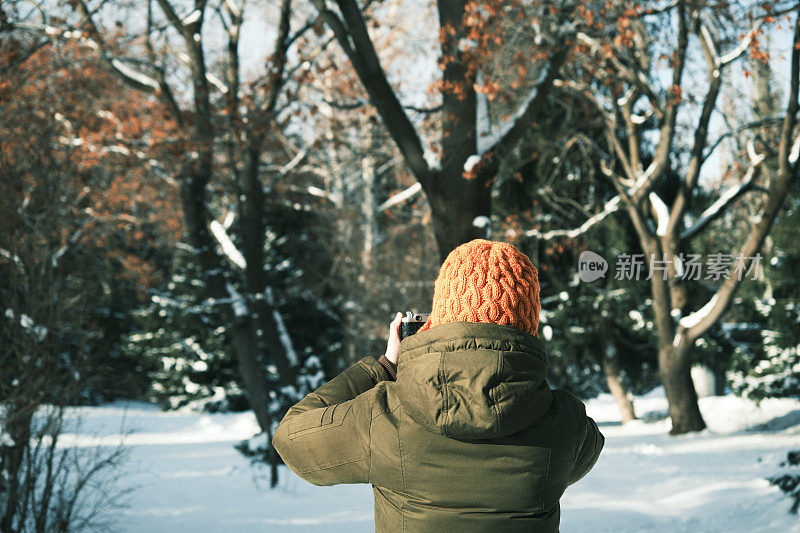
[(48, 340), (457, 174), (626, 93), (219, 111)]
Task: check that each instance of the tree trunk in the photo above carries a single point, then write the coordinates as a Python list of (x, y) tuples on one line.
[(19, 428), (368, 205), (611, 368), (253, 234), (455, 200), (250, 370), (243, 335), (676, 376), (455, 203)]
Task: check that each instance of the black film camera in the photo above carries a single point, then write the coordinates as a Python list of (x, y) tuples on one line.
[(411, 323)]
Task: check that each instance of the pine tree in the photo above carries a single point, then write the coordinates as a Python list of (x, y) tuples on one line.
[(772, 368)]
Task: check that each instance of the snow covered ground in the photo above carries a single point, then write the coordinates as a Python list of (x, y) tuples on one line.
[(190, 478)]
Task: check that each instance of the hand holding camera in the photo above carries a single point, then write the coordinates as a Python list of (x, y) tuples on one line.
[(400, 328)]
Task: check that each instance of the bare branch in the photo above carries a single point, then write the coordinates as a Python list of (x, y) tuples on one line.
[(512, 131), (612, 206), (351, 33), (727, 199), (277, 68), (400, 197), (229, 249), (697, 323)]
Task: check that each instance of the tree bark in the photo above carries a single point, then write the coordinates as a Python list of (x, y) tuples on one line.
[(253, 234), (241, 331), (455, 202), (611, 367), (675, 371), (368, 175), (19, 428)]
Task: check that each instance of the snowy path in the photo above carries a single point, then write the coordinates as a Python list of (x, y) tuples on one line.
[(190, 477)]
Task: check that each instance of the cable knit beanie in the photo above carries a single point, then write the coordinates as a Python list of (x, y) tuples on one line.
[(487, 281)]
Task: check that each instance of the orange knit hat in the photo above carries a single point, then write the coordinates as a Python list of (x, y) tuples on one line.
[(487, 281)]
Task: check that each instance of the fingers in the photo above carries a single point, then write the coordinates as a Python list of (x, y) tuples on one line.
[(394, 327), (396, 322)]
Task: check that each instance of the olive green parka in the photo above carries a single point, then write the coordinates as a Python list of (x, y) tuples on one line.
[(469, 438)]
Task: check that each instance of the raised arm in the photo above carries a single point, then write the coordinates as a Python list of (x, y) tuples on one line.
[(325, 438)]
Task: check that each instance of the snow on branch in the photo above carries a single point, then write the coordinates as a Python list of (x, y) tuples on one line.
[(134, 75), (218, 83), (710, 50), (228, 247), (13, 258), (661, 214), (38, 331), (610, 207), (283, 333), (232, 9), (236, 301), (692, 319), (296, 160), (743, 46), (795, 153), (400, 197), (471, 162), (58, 254), (336, 199), (724, 201), (192, 17), (490, 139)]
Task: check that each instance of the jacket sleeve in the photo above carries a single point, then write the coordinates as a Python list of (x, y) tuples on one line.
[(325, 437), (589, 446)]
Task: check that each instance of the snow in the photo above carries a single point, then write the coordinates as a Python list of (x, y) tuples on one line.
[(283, 332), (610, 207), (691, 320), (432, 159), (5, 439), (38, 331), (237, 301), (481, 221), (400, 197), (286, 340), (228, 247), (13, 257), (232, 8), (192, 17), (465, 45), (661, 213), (139, 77), (471, 162), (218, 83), (744, 44), (189, 477)]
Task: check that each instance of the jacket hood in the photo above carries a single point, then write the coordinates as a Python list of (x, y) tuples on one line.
[(470, 380)]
